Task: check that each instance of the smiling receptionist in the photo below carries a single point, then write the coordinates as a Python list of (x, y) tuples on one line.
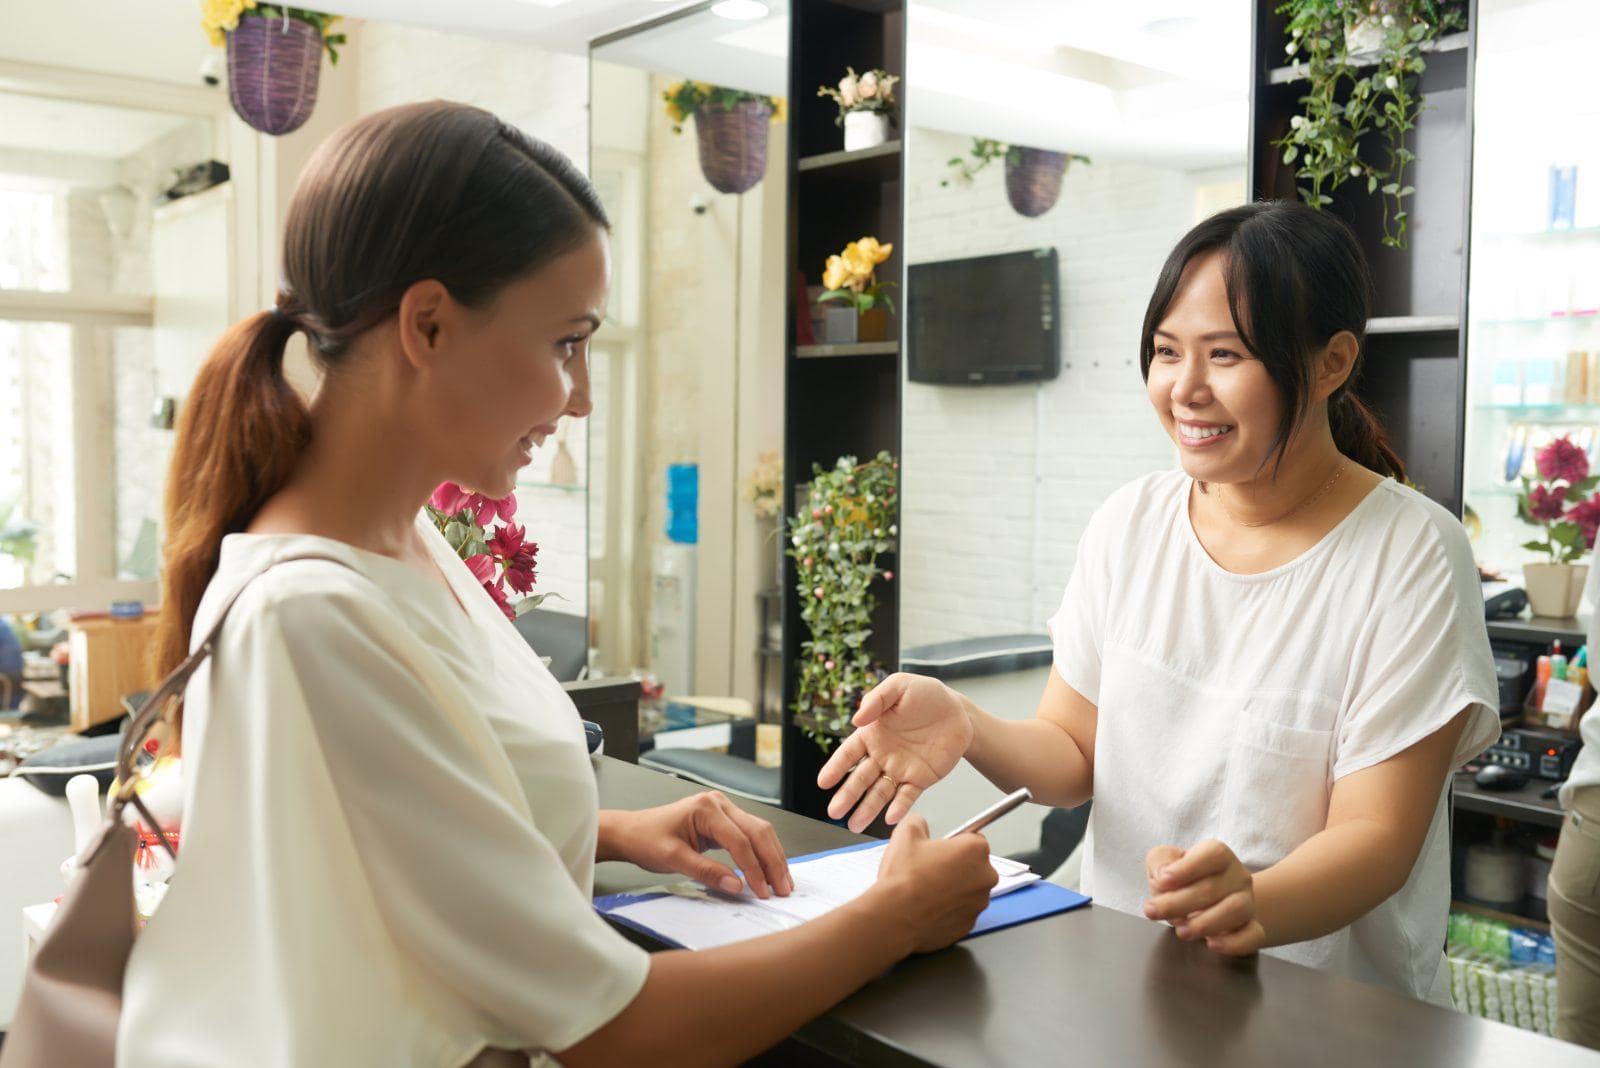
[(1266, 663)]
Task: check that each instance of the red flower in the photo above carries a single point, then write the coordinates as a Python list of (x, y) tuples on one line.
[(1545, 504), (482, 568), (499, 596), (1562, 461), (1587, 515), (450, 498)]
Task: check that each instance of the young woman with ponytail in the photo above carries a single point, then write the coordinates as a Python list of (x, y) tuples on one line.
[(1267, 662), (391, 823)]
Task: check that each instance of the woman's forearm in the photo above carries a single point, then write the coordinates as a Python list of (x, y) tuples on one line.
[(1333, 879), (723, 1006), (1035, 753)]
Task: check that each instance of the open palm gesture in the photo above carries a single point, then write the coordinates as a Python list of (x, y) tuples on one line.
[(910, 732)]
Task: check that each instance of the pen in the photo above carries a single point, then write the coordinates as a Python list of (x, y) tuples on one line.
[(994, 812)]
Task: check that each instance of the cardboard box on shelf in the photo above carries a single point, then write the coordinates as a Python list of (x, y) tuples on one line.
[(110, 658)]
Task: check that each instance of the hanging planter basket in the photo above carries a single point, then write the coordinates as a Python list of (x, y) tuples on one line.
[(273, 67), (733, 144), (1033, 182)]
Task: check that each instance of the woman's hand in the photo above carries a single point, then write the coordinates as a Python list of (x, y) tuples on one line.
[(910, 732), (937, 886), (1205, 892), (671, 838)]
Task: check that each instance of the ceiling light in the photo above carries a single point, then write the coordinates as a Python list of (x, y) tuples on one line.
[(741, 10)]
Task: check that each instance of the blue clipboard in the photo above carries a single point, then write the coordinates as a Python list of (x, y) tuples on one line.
[(1033, 902)]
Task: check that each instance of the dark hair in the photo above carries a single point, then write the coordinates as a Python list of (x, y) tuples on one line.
[(1295, 278), (431, 190)]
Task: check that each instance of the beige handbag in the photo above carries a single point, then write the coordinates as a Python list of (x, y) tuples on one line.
[(72, 992)]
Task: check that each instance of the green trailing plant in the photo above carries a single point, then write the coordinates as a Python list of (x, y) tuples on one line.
[(986, 150), (686, 97), (1351, 95), (836, 540)]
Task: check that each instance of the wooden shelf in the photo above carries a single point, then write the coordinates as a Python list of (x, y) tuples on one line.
[(876, 163), (1414, 324), (859, 348), (1453, 42), (1510, 918)]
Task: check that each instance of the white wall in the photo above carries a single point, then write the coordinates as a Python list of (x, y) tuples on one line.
[(1001, 480)]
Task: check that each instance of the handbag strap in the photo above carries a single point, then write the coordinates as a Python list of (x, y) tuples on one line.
[(150, 710)]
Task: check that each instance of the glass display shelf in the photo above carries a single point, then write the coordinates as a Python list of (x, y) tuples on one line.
[(1581, 412), (1571, 318)]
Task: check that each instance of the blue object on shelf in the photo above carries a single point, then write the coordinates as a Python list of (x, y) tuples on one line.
[(683, 503), (127, 610), (1563, 197)]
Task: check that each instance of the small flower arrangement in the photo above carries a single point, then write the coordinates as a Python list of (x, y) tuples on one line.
[(221, 17), (764, 485), (498, 558), (870, 91), (851, 276), (848, 522), (1561, 502), (685, 98)]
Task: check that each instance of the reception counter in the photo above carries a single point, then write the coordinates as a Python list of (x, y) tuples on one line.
[(1098, 987)]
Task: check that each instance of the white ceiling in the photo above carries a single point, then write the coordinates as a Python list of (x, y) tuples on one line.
[(1157, 79), (93, 130)]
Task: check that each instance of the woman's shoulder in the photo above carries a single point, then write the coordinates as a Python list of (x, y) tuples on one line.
[(305, 580), (1405, 519), (1135, 502)]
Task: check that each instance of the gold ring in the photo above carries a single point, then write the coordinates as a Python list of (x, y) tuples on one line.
[(893, 786)]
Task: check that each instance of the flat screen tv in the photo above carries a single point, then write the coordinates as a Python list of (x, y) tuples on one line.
[(989, 319)]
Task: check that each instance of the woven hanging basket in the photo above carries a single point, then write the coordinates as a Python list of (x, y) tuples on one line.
[(1033, 182), (273, 67), (733, 144)]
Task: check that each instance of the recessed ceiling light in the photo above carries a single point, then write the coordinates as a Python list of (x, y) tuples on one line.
[(742, 10)]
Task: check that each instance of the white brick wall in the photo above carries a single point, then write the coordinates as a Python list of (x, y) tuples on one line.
[(1000, 480), (546, 95)]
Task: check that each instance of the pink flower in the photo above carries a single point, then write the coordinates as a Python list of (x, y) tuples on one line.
[(1562, 461), (1545, 504), (450, 498), (499, 596), (482, 567), (1587, 515), (507, 541)]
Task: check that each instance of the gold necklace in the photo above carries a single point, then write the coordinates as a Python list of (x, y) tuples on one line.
[(1307, 503)]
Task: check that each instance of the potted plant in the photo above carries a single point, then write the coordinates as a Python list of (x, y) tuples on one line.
[(730, 127), (851, 278), (847, 524), (499, 555), (1033, 175), (1562, 504), (866, 106), (274, 59), (1362, 65)]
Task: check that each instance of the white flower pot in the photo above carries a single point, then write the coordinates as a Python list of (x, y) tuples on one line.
[(839, 324), (1554, 589), (865, 129)]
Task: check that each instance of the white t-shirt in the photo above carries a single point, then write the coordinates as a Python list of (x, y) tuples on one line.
[(1229, 704), (1586, 769), (388, 844)]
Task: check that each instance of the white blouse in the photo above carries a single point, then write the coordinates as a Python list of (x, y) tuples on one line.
[(1230, 704), (389, 835)]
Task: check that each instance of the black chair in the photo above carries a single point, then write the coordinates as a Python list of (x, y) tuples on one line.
[(1059, 835), (562, 637)]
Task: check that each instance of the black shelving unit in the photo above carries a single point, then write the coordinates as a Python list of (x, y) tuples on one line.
[(840, 399), (1414, 372)]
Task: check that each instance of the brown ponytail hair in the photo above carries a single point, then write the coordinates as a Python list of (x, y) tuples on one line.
[(433, 190), (1295, 278)]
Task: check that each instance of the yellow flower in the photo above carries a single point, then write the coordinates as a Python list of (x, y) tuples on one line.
[(221, 15), (780, 109), (674, 112), (836, 275), (870, 248)]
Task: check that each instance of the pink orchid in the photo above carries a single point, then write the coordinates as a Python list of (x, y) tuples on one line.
[(1562, 461), (450, 498)]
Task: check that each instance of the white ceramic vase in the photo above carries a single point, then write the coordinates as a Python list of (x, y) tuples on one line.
[(864, 129), (1554, 589)]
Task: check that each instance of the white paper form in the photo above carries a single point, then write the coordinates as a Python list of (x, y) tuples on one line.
[(696, 918)]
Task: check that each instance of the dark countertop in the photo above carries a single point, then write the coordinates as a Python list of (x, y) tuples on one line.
[(1523, 804), (1098, 987), (1573, 631)]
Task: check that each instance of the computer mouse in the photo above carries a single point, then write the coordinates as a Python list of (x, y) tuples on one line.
[(1500, 777)]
